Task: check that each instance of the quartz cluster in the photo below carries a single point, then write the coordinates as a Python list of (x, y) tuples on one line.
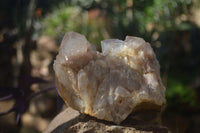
[(110, 85)]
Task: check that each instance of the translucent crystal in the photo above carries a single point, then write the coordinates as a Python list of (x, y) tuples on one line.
[(112, 84)]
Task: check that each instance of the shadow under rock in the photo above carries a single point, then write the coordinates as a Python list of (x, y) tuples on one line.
[(87, 124)]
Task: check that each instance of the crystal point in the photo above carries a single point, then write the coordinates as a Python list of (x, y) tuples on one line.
[(112, 84)]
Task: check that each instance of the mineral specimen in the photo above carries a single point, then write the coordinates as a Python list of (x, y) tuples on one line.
[(110, 85)]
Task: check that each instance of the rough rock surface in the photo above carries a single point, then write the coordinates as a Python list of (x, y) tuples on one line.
[(124, 78), (70, 121)]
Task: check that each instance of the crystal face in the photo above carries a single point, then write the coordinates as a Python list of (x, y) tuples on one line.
[(112, 84)]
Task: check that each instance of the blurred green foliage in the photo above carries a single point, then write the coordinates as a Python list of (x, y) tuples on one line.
[(119, 18), (73, 18), (164, 13), (178, 92)]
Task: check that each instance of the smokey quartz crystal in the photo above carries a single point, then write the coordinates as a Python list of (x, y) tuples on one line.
[(124, 78)]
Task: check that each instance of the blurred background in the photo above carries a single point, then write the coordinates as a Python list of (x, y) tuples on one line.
[(31, 31)]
